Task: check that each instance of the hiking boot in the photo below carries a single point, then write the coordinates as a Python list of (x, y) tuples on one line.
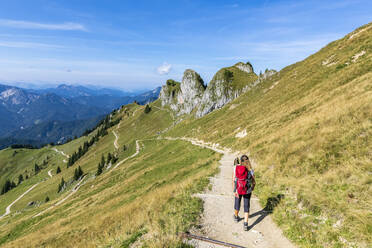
[(246, 226), (236, 218)]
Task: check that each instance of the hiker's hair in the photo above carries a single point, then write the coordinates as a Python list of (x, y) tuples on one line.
[(245, 161), (236, 161)]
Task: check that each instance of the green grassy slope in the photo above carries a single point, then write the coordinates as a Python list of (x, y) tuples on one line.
[(308, 128), (148, 193), (237, 78)]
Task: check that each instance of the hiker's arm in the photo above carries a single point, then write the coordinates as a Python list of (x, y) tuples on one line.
[(253, 182), (235, 186), (233, 181), (233, 178)]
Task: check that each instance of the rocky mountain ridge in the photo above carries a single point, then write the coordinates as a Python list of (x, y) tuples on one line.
[(193, 95)]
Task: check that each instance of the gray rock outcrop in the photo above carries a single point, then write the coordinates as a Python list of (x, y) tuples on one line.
[(217, 95), (247, 67), (183, 97), (191, 94)]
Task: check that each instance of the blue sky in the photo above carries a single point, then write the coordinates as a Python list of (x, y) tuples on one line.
[(139, 44)]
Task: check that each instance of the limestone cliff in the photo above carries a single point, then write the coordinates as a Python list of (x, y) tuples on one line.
[(168, 94), (183, 97), (226, 85)]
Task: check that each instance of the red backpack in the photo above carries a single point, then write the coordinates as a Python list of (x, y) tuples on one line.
[(243, 178)]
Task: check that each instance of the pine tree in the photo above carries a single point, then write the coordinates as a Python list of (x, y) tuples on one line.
[(147, 109), (80, 171), (103, 162), (47, 199), (61, 185), (76, 176), (109, 157), (80, 152), (5, 187), (125, 148), (37, 168), (69, 163), (99, 169), (58, 170), (8, 185), (20, 179), (114, 159)]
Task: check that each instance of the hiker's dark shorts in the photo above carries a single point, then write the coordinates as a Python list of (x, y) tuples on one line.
[(247, 200)]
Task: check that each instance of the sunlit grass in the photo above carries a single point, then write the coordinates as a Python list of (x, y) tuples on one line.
[(308, 130)]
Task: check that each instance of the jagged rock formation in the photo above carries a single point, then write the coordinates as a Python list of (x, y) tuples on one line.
[(248, 68), (267, 74), (183, 97), (226, 85), (168, 94), (191, 94)]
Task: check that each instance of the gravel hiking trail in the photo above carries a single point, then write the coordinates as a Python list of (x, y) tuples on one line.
[(217, 219), (61, 152), (7, 210), (138, 147), (116, 140), (116, 144)]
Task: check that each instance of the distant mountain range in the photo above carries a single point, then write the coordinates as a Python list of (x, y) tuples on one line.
[(56, 114), (71, 91)]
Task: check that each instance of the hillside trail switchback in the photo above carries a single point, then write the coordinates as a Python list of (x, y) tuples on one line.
[(7, 210), (217, 219), (116, 144), (62, 153)]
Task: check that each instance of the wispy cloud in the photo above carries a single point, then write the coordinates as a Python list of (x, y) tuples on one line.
[(13, 44), (67, 26), (294, 46), (164, 69)]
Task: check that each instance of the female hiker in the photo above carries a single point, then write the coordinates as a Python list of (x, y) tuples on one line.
[(244, 182)]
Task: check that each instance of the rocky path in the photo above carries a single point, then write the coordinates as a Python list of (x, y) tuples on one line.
[(61, 152), (80, 183), (217, 219), (116, 140), (77, 186), (138, 147), (116, 144), (7, 210)]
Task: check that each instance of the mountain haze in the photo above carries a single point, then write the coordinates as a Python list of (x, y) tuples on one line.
[(44, 116), (71, 91)]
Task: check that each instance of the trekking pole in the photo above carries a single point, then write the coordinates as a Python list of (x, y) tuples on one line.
[(213, 241)]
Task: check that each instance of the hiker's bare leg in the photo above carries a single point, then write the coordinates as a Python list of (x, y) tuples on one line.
[(236, 213), (246, 215)]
